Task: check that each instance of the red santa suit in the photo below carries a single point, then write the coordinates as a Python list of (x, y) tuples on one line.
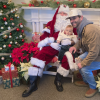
[(48, 52)]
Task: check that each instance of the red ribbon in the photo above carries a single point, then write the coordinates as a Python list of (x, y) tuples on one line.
[(9, 64)]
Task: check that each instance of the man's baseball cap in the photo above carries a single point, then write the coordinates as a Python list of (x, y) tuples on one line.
[(75, 12)]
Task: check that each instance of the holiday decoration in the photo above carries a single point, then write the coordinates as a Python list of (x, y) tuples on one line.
[(6, 75), (10, 33), (41, 1), (17, 29), (74, 5), (22, 31), (22, 40), (15, 82), (35, 2), (36, 37), (4, 18), (54, 3), (9, 45), (24, 53), (86, 4), (30, 4), (58, 2), (5, 36), (4, 6), (10, 18), (2, 58)]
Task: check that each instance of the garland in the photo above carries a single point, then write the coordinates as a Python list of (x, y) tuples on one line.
[(71, 3)]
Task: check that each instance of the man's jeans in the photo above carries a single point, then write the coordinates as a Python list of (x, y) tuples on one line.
[(87, 74)]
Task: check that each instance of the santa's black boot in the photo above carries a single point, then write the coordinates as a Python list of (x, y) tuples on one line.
[(58, 83), (32, 87)]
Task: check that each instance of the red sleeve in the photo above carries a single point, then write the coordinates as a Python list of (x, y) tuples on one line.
[(75, 31), (45, 34)]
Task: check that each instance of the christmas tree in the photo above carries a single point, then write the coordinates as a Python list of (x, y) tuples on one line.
[(11, 30)]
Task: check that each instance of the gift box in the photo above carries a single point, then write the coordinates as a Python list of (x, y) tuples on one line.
[(7, 67), (7, 83), (6, 74), (1, 80)]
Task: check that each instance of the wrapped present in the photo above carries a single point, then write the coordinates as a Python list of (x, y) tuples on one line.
[(6, 74), (15, 83), (7, 67), (1, 80)]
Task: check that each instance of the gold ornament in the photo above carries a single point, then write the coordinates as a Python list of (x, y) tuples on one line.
[(86, 4), (16, 15), (9, 1), (35, 2), (5, 36)]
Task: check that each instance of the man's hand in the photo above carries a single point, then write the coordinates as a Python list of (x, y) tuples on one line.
[(71, 49), (58, 41), (79, 65)]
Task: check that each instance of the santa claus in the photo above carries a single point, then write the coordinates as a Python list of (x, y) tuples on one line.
[(49, 50)]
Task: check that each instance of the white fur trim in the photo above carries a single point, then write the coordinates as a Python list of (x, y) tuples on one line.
[(72, 65), (43, 42), (51, 39), (55, 46), (34, 71), (63, 9), (37, 62), (46, 30), (63, 71), (40, 73)]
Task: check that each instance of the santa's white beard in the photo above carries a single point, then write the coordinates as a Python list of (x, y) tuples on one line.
[(61, 23)]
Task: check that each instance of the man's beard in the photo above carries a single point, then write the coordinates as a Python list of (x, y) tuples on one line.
[(61, 23)]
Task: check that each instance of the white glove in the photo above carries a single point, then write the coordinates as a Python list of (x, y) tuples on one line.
[(66, 42), (55, 46), (43, 42)]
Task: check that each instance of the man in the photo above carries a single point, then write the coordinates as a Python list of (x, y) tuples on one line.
[(49, 48), (89, 35)]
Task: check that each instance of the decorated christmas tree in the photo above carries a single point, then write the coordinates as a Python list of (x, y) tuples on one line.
[(11, 30)]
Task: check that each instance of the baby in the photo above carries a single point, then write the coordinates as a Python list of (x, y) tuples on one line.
[(66, 38)]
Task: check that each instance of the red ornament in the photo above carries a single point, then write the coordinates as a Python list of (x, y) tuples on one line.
[(58, 2), (11, 19), (4, 18), (17, 29), (10, 33), (22, 40), (74, 5), (22, 31), (20, 24), (94, 1), (30, 5), (41, 1), (4, 6), (9, 45)]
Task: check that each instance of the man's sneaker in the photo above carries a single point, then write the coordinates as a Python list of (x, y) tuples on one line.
[(81, 83), (90, 93)]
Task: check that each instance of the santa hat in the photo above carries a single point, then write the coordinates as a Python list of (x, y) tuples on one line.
[(61, 8)]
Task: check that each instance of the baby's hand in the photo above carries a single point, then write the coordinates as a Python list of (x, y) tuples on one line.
[(58, 41)]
